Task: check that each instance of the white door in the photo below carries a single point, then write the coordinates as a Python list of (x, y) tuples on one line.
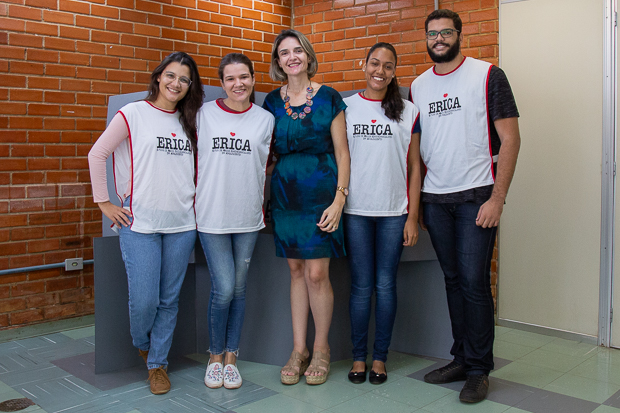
[(615, 324)]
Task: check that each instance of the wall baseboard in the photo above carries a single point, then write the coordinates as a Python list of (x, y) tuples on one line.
[(547, 331), (49, 327)]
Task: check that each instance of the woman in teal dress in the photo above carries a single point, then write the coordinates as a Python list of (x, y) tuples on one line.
[(308, 191)]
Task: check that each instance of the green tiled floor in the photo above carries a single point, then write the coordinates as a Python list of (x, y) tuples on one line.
[(552, 360), (583, 388), (604, 409), (511, 351), (527, 374), (451, 404), (535, 373), (414, 393)]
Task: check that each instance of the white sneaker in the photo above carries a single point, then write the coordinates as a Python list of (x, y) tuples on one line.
[(232, 378), (214, 376)]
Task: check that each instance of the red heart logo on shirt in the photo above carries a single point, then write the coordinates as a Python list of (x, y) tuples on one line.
[(174, 135), (445, 95), (374, 120), (232, 133)]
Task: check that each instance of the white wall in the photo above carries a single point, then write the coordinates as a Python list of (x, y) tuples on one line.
[(552, 52)]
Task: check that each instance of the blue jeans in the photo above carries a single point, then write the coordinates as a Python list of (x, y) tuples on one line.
[(156, 265), (228, 257), (464, 251), (374, 246)]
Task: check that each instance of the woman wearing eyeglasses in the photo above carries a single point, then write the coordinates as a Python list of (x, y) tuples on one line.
[(152, 142), (233, 148)]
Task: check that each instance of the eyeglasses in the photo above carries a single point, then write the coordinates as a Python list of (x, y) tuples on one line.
[(445, 33), (171, 77)]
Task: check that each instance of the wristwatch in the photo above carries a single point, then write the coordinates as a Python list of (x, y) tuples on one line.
[(344, 190)]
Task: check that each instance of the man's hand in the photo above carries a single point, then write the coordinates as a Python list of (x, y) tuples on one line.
[(490, 213)]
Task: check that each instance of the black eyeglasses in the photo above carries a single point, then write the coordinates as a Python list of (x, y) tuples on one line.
[(445, 33)]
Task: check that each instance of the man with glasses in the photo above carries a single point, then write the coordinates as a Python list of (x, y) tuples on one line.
[(469, 145)]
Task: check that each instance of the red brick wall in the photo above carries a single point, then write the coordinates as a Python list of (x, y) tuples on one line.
[(342, 31), (61, 59)]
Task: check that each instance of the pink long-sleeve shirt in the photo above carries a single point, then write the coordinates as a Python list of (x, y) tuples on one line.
[(114, 135)]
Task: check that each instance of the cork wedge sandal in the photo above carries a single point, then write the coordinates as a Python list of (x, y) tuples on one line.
[(319, 364), (297, 364)]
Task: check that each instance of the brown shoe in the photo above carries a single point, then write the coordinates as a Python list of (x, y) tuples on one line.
[(144, 354), (160, 383)]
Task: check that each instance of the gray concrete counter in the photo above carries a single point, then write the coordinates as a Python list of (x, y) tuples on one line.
[(422, 322)]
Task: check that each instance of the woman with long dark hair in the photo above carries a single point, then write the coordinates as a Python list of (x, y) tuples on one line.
[(381, 213), (233, 148), (308, 190), (153, 142)]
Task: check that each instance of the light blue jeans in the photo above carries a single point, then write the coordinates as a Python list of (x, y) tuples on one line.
[(228, 257), (156, 265)]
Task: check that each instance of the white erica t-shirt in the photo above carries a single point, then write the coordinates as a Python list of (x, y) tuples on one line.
[(379, 148), (455, 144), (157, 157), (233, 148)]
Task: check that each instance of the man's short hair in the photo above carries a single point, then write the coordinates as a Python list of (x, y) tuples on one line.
[(444, 14)]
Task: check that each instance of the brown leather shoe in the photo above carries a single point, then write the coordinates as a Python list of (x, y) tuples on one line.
[(160, 383), (144, 354)]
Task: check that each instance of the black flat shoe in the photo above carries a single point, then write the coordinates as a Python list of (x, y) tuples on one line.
[(375, 378), (358, 377)]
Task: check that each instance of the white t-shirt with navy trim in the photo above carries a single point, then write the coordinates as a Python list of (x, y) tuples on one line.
[(379, 149), (233, 148), (158, 159), (455, 141)]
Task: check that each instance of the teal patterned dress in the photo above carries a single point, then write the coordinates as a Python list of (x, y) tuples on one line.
[(305, 178)]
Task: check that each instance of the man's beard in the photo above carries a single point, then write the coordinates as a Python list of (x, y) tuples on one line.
[(448, 56)]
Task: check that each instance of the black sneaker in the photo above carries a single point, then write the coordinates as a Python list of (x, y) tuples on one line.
[(446, 374), (475, 389)]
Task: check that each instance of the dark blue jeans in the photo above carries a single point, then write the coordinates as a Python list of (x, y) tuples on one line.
[(374, 246), (464, 251)]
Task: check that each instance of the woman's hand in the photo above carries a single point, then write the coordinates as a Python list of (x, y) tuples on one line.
[(331, 216), (421, 218), (120, 216), (410, 233)]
